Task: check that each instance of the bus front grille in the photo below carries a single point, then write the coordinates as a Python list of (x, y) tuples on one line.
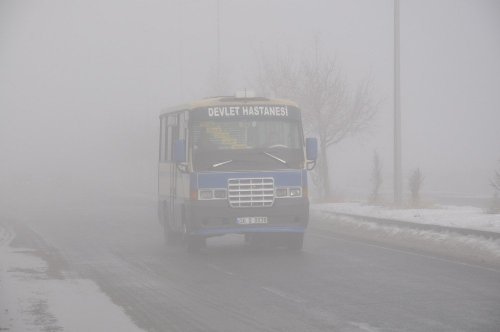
[(253, 192)]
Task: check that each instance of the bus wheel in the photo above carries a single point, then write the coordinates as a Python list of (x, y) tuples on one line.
[(295, 242), (192, 243)]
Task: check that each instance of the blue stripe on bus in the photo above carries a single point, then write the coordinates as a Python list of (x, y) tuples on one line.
[(281, 179), (239, 230)]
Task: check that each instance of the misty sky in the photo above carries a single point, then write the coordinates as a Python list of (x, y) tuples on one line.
[(82, 83)]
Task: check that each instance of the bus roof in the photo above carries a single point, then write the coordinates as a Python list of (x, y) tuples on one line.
[(228, 100)]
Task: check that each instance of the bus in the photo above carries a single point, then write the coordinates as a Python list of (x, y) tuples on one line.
[(234, 165)]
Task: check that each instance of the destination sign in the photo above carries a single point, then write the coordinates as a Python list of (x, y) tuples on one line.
[(242, 111), (232, 111)]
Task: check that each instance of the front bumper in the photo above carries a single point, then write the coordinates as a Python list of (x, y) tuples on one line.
[(210, 218)]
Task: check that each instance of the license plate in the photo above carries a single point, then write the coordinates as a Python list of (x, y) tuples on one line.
[(251, 220)]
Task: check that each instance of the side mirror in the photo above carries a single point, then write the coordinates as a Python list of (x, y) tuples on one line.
[(179, 155), (311, 148)]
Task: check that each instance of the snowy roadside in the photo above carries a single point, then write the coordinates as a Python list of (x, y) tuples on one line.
[(448, 216), (463, 234), (32, 298)]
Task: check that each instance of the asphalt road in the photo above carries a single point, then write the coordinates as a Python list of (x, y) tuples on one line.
[(338, 283)]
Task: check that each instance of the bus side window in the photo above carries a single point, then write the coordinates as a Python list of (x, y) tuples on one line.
[(163, 135), (183, 127), (173, 134)]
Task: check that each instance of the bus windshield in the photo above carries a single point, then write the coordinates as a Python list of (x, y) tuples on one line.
[(247, 144), (244, 134)]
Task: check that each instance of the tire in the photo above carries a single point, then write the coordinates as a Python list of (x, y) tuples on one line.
[(192, 243)]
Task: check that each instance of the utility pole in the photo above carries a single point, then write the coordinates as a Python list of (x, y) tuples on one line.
[(181, 53), (398, 184), (218, 48)]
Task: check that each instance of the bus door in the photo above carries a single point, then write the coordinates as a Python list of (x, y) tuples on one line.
[(174, 134), (172, 196), (177, 178)]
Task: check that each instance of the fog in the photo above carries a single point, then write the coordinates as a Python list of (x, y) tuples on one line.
[(82, 84)]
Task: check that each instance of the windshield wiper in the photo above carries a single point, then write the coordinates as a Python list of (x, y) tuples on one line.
[(275, 158), (222, 163)]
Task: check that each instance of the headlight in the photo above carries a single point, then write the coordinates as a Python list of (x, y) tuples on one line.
[(288, 192), (220, 193), (281, 192), (206, 194), (294, 192)]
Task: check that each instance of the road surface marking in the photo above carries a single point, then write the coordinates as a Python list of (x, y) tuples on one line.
[(219, 269), (284, 295)]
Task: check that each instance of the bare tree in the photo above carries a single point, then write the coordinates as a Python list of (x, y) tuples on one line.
[(495, 201), (331, 110), (495, 181), (415, 183), (278, 76), (376, 178)]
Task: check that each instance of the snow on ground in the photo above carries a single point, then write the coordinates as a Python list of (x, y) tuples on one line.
[(464, 247), (452, 216), (33, 300)]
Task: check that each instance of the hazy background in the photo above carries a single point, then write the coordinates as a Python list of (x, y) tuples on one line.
[(82, 83)]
